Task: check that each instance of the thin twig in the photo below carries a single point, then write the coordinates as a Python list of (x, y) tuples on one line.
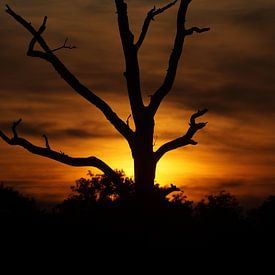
[(64, 46), (128, 120), (15, 124), (46, 142), (196, 29)]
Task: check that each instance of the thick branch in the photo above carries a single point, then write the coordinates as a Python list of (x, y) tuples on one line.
[(150, 17), (58, 156), (132, 73), (39, 32), (48, 55), (185, 139), (169, 80)]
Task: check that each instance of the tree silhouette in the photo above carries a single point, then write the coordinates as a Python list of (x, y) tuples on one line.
[(140, 139)]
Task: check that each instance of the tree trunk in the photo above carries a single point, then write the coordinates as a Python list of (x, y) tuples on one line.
[(145, 169), (144, 161)]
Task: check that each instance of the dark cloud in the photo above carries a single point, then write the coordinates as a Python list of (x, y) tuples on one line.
[(232, 100), (97, 7), (249, 192), (228, 144), (214, 185), (56, 131), (258, 18), (26, 128), (244, 85), (25, 185), (82, 133), (45, 195), (231, 184), (244, 67)]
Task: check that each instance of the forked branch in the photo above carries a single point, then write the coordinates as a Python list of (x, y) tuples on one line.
[(186, 139), (58, 156), (149, 18), (169, 79)]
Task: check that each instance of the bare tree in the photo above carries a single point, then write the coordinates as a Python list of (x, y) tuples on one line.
[(140, 140)]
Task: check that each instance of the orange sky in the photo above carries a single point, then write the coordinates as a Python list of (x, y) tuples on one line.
[(229, 70)]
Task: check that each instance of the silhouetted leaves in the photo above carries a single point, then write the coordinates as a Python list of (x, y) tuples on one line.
[(95, 191)]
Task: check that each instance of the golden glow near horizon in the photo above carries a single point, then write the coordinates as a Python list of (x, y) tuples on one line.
[(229, 70)]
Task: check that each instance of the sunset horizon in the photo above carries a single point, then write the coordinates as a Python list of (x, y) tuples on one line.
[(229, 70)]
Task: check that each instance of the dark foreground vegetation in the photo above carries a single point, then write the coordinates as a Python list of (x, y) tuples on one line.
[(100, 214)]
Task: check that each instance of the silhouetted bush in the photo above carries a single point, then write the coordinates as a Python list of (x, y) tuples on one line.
[(263, 217), (108, 212), (267, 211), (15, 204), (221, 211)]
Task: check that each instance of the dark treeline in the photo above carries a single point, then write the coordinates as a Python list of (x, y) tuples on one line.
[(100, 213)]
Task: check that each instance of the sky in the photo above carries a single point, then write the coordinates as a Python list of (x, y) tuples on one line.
[(229, 70)]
